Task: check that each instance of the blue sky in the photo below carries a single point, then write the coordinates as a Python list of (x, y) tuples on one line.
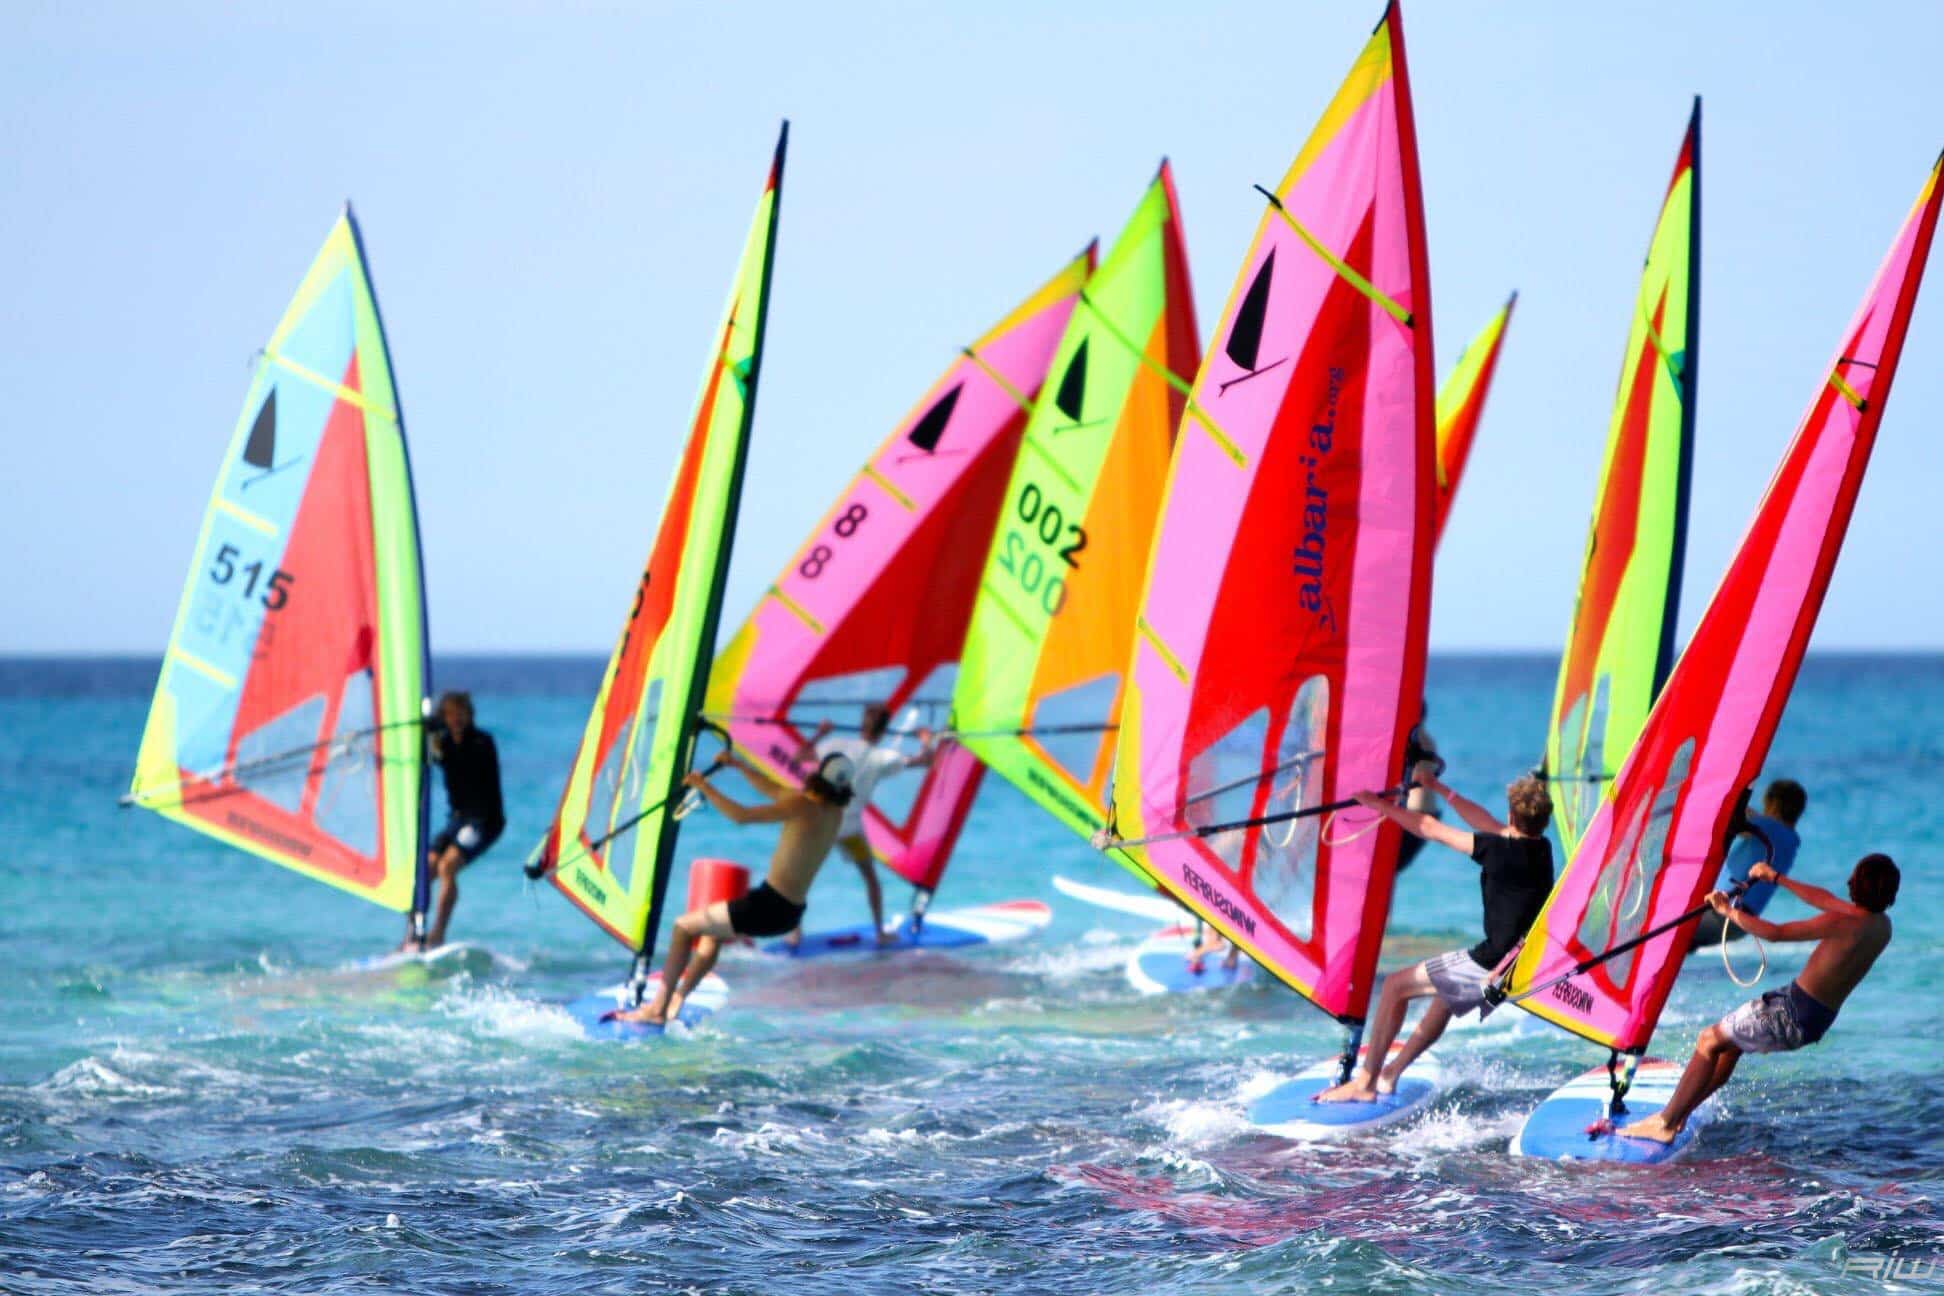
[(553, 196)]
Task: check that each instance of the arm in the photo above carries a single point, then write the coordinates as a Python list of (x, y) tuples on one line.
[(1418, 823), (1813, 896), (735, 811), (1807, 929), (762, 782), (927, 749), (492, 764), (808, 748), (1470, 811)]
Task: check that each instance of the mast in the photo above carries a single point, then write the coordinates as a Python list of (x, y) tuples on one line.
[(669, 826), (422, 867)]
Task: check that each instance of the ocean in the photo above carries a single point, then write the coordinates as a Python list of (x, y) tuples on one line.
[(195, 1095)]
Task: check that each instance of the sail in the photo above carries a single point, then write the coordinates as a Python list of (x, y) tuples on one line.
[(286, 721), (1041, 678), (1621, 643), (1461, 403), (612, 842), (1279, 656), (873, 607), (1655, 845)]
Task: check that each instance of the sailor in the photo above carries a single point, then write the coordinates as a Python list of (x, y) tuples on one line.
[(1849, 934), (872, 760), (475, 813), (810, 819), (1515, 875), (1213, 942), (1773, 835)]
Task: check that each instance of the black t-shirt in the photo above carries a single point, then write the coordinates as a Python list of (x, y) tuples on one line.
[(472, 777), (1515, 875)]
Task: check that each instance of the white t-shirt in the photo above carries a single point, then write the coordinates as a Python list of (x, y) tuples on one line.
[(868, 764)]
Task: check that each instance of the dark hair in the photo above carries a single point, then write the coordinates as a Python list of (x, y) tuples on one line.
[(831, 784), (458, 698), (1530, 804), (1873, 882), (1787, 799), (817, 786), (877, 718)]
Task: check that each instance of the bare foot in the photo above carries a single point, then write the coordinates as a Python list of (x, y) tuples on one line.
[(1654, 1128), (886, 938), (1387, 1081), (1195, 965), (1358, 1088), (1234, 957), (652, 1013)]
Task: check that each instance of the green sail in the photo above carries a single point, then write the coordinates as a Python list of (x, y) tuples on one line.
[(1040, 681)]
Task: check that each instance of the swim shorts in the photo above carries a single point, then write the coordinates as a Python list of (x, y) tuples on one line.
[(473, 837), (764, 912), (1780, 1021), (1459, 981)]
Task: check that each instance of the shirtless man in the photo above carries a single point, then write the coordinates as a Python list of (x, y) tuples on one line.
[(1515, 875), (810, 820), (1849, 935)]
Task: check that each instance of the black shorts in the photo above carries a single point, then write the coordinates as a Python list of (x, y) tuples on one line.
[(764, 912), (473, 837)]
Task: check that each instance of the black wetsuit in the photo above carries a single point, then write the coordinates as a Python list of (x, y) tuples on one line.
[(476, 815)]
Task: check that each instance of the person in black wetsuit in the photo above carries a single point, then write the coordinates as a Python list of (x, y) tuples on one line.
[(475, 814), (1515, 877)]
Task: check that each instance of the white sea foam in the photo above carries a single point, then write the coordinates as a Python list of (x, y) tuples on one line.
[(1199, 1123), (500, 1013)]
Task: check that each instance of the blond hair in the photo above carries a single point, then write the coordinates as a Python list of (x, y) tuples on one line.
[(1530, 804)]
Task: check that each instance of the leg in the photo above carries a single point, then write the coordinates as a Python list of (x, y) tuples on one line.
[(707, 950), (1715, 1056), (446, 867), (1399, 989), (858, 851), (1430, 1028), (690, 927)]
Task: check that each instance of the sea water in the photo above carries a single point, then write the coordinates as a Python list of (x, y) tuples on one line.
[(196, 1095)]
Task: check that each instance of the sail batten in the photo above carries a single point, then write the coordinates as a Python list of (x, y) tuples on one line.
[(286, 721), (1303, 520), (610, 848), (1655, 845)]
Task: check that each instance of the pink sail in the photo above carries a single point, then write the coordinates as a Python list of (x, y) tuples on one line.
[(1279, 653), (873, 608), (1655, 846)]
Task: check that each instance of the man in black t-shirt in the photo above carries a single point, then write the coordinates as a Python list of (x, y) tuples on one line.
[(1515, 875), (475, 814)]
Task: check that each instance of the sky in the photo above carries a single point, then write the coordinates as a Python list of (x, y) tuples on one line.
[(553, 197)]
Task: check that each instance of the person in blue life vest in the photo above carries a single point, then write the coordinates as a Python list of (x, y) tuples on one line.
[(1782, 807)]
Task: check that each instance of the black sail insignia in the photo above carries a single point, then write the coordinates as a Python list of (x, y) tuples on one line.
[(925, 433), (1071, 398)]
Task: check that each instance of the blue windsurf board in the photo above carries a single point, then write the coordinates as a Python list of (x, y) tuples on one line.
[(1558, 1128), (991, 924), (708, 999), (1291, 1111)]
